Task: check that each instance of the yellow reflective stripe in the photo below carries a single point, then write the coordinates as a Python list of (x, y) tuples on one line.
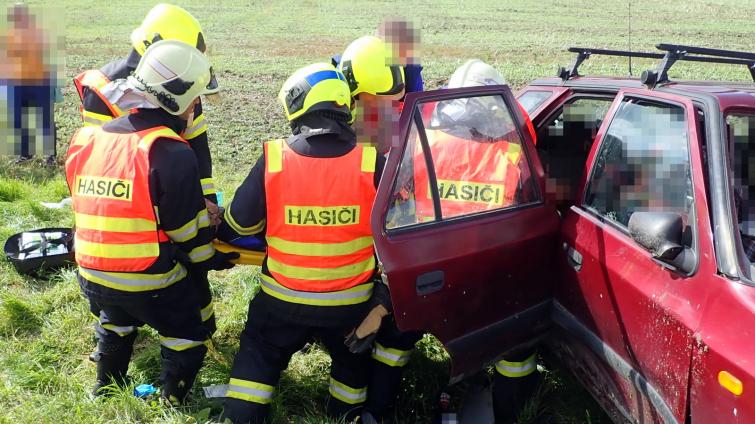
[(319, 249), (347, 394), (121, 331), (369, 156), (306, 273), (250, 391), (274, 157), (114, 224), (132, 281), (208, 186), (517, 369), (180, 344), (93, 118), (513, 152), (198, 127), (190, 229), (244, 231), (208, 311), (389, 356), (353, 296), (202, 253), (116, 251), (155, 134)]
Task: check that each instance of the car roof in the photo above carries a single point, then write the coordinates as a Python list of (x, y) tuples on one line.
[(728, 94)]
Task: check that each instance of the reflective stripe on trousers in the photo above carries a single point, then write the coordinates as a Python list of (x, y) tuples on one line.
[(389, 356), (250, 391), (352, 296), (347, 394), (180, 344), (134, 281), (517, 369)]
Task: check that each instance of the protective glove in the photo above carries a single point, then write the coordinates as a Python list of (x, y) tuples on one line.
[(360, 339), (219, 261)]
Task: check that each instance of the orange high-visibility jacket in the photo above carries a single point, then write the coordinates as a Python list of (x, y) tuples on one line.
[(95, 81), (108, 174), (318, 218), (472, 176)]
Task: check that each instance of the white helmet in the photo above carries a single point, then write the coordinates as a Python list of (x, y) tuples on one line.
[(475, 73), (171, 74)]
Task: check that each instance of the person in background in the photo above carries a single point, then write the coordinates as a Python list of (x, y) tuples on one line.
[(28, 74)]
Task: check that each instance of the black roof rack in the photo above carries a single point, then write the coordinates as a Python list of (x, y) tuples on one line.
[(673, 53)]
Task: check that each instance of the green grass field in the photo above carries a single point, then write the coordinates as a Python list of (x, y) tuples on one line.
[(45, 328)]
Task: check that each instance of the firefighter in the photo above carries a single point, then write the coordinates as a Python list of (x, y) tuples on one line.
[(376, 80), (163, 22), (141, 220), (311, 196), (496, 160)]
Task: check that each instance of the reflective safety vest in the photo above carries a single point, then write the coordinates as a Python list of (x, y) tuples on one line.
[(95, 81), (108, 175), (472, 176), (320, 248)]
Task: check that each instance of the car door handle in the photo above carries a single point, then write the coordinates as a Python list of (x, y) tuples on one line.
[(573, 257), (430, 282)]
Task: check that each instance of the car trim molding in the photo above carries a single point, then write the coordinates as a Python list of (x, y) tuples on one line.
[(564, 319)]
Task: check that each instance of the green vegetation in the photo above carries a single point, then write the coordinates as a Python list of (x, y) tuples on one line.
[(45, 326)]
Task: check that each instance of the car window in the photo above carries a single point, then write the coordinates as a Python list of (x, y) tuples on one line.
[(478, 162), (643, 164), (564, 142), (531, 100), (742, 148)]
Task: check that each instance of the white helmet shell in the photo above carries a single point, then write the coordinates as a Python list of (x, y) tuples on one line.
[(171, 74), (475, 73)]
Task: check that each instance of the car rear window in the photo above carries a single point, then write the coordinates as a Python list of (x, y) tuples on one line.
[(531, 100)]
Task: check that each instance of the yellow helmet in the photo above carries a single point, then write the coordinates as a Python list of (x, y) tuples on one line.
[(168, 22), (369, 67), (319, 86)]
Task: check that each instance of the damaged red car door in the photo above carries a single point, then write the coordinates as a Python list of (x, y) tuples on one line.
[(462, 234)]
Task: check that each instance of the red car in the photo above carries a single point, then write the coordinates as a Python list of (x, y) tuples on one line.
[(622, 249)]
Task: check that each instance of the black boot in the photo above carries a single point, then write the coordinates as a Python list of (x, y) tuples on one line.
[(112, 366), (511, 394), (179, 371)]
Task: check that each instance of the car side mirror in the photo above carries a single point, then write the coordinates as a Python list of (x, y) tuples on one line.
[(661, 233)]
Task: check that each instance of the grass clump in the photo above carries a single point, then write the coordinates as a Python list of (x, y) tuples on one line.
[(17, 317), (11, 190)]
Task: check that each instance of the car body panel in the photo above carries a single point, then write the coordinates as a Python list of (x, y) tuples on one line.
[(640, 309)]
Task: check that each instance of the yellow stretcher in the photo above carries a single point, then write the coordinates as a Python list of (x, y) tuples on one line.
[(248, 257)]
